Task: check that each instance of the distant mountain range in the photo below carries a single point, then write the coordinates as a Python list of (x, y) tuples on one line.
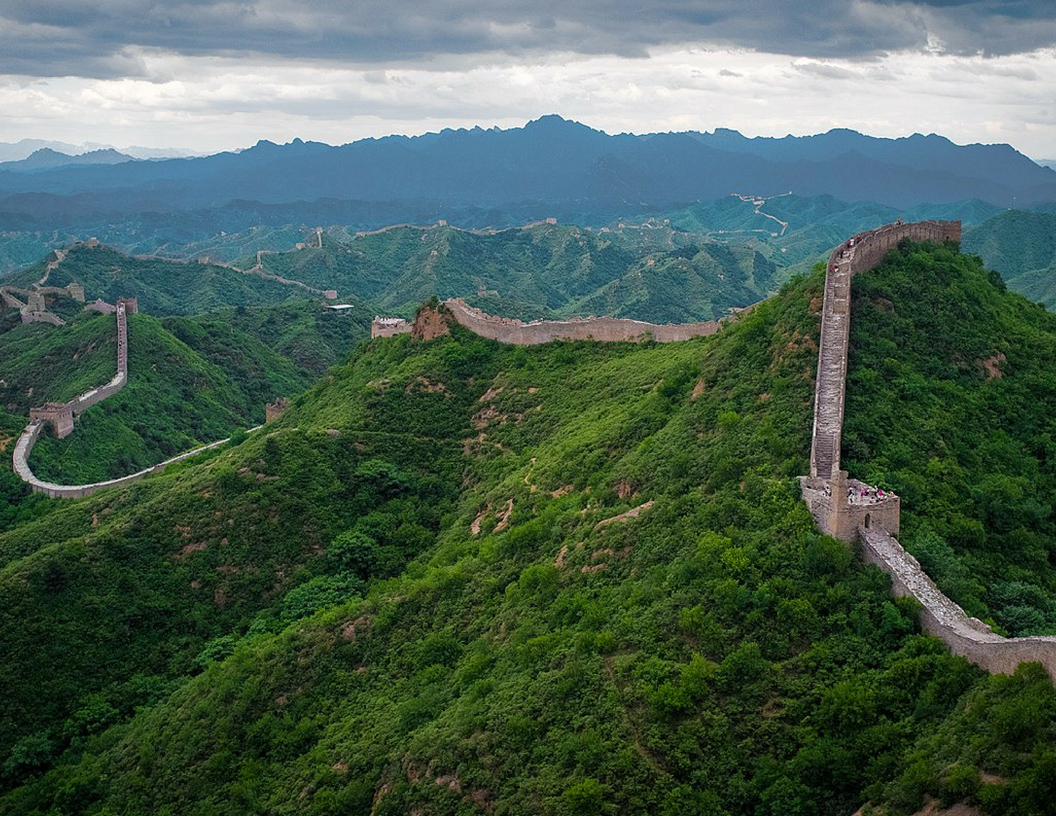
[(24, 148), (1022, 247), (47, 159), (549, 165)]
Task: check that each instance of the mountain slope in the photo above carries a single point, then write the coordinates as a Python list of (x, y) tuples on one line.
[(546, 270), (186, 388), (459, 577), (161, 286), (1022, 247), (951, 401)]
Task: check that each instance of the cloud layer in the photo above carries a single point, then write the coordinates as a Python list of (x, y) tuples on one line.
[(216, 75), (106, 38)]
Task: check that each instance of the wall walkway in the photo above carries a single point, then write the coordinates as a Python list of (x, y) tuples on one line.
[(848, 509), (29, 437), (858, 254)]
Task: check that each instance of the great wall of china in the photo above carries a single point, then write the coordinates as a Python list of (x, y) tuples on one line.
[(842, 507), (519, 333), (61, 416), (850, 510)]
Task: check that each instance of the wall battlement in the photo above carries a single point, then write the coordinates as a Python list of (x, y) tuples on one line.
[(603, 329), (837, 502)]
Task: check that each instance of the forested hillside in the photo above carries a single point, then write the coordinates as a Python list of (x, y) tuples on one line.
[(951, 401), (161, 286), (459, 577), (547, 270), (1022, 247), (191, 381)]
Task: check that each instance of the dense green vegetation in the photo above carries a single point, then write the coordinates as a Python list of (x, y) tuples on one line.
[(951, 401), (190, 381), (795, 231), (307, 334), (42, 362), (161, 286), (547, 270), (542, 271), (180, 393), (459, 577), (1022, 247)]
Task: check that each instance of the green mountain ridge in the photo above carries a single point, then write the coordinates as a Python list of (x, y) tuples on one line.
[(191, 381), (546, 270), (460, 577), (1022, 247), (161, 286), (797, 231)]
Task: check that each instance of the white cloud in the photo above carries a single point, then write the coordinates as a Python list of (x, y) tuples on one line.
[(210, 103)]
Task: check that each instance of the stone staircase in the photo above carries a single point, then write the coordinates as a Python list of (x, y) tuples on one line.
[(832, 371)]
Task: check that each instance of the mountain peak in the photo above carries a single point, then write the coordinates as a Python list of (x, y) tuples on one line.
[(554, 122)]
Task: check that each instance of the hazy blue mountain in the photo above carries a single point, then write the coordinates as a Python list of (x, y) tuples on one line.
[(47, 159), (1022, 247), (550, 161)]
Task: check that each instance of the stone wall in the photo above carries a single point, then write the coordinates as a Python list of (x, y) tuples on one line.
[(941, 617), (604, 329), (34, 316), (389, 326), (835, 500), (857, 254), (62, 415), (21, 466), (274, 410)]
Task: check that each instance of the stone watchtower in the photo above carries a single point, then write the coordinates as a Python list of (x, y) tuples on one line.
[(841, 505), (59, 414)]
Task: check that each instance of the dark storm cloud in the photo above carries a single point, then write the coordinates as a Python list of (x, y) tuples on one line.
[(70, 37)]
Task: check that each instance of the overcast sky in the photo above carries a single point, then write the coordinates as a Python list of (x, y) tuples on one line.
[(220, 75)]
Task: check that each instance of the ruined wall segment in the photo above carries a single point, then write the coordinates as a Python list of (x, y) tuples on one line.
[(603, 329), (389, 326)]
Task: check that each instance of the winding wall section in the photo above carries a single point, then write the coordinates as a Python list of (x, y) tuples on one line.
[(75, 407), (831, 495)]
